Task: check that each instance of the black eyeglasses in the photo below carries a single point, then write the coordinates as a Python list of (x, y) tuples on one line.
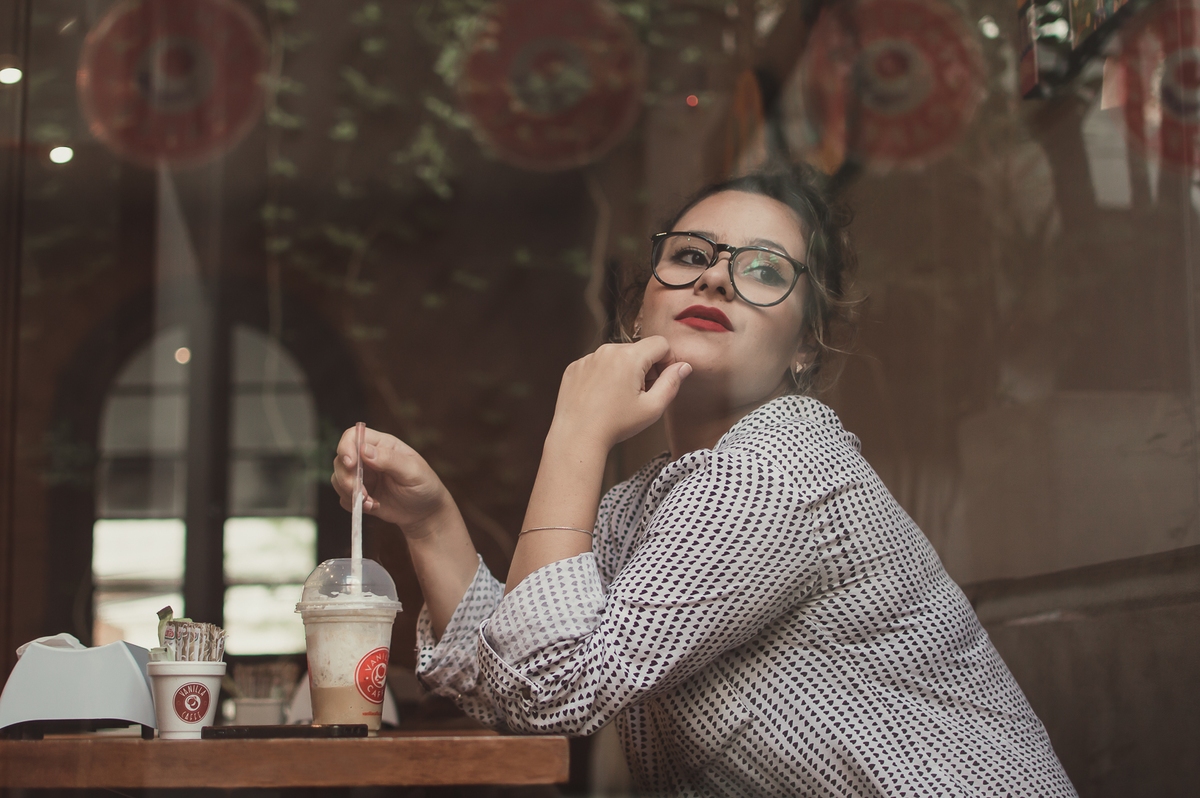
[(761, 276)]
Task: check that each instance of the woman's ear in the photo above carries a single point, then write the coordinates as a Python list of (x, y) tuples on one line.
[(803, 357)]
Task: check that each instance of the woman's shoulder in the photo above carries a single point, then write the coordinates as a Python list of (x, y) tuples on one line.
[(791, 427)]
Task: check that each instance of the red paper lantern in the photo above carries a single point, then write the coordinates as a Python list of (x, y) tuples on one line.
[(172, 81), (1160, 66), (894, 83), (552, 84)]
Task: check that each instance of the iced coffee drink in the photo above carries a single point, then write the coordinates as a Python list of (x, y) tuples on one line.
[(348, 630)]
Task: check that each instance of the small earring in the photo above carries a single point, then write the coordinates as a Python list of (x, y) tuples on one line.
[(637, 331), (799, 368)]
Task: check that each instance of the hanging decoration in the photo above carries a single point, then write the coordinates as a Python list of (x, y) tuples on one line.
[(745, 145), (889, 83), (172, 81), (552, 84), (1160, 65)]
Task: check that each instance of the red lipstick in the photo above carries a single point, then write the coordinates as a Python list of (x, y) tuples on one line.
[(704, 317)]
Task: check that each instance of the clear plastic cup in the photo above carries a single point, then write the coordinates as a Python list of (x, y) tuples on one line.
[(348, 616)]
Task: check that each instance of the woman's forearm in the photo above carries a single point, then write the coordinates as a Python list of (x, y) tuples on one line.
[(566, 493), (445, 561)]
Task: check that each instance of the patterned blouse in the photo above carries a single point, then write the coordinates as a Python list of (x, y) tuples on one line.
[(761, 618)]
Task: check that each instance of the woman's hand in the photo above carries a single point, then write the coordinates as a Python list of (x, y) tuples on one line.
[(617, 391), (400, 486)]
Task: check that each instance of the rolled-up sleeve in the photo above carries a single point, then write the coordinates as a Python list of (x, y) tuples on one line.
[(450, 666), (724, 554)]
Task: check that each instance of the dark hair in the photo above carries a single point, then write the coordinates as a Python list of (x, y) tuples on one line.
[(831, 304)]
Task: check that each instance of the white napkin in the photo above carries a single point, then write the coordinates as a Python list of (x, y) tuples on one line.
[(60, 640)]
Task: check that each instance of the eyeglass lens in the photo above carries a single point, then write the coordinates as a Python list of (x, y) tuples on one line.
[(761, 277)]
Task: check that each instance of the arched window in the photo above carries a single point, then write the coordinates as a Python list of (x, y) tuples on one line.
[(270, 534)]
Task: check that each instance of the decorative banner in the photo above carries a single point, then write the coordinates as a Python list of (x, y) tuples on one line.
[(1160, 62), (892, 83), (552, 84), (172, 81)]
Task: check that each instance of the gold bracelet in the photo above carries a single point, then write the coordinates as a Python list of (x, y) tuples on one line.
[(567, 528)]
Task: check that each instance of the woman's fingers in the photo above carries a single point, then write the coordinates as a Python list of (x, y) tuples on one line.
[(666, 387), (651, 352), (383, 455)]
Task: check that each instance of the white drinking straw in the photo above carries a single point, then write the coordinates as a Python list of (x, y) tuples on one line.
[(360, 432)]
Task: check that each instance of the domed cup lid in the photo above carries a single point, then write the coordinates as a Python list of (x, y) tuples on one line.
[(334, 585)]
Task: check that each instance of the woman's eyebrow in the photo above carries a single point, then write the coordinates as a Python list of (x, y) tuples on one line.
[(766, 242), (754, 242)]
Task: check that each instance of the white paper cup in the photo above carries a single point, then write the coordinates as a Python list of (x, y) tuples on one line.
[(348, 654), (185, 696)]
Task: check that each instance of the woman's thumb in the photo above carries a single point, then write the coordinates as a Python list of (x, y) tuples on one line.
[(667, 385)]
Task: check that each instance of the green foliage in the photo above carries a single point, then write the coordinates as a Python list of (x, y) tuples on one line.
[(294, 42), (374, 97), (282, 167), (369, 16), (273, 213), (429, 161), (277, 117), (345, 238), (576, 259), (471, 282), (286, 8), (277, 245), (447, 113), (345, 130), (280, 85), (50, 133)]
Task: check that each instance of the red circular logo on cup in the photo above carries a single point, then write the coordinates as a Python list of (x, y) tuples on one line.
[(191, 702), (371, 675)]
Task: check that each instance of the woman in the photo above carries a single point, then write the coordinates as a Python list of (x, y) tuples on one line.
[(754, 609)]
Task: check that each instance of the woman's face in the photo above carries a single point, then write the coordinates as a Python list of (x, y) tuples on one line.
[(747, 359)]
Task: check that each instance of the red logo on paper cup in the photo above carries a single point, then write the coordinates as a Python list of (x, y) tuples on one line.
[(371, 675), (191, 702)]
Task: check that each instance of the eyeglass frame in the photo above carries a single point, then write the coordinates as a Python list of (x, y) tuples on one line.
[(657, 238)]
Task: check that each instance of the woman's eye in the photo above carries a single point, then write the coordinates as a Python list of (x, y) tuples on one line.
[(766, 270), (691, 257)]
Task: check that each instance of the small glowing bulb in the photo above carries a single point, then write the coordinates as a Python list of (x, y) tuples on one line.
[(183, 355), (692, 100), (10, 75), (61, 154), (988, 27)]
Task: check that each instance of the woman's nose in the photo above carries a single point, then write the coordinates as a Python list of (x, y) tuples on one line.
[(715, 278)]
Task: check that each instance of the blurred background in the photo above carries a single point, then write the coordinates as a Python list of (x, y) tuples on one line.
[(233, 228)]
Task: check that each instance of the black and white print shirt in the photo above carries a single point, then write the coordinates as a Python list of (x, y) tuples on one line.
[(761, 618)]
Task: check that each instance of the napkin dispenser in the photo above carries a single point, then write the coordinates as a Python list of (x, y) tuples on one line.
[(67, 689)]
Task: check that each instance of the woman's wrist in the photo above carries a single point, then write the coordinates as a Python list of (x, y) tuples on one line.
[(575, 442), (445, 515)]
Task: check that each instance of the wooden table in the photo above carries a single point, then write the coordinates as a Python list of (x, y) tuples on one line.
[(412, 758)]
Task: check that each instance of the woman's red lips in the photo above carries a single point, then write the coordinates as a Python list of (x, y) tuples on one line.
[(704, 317)]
